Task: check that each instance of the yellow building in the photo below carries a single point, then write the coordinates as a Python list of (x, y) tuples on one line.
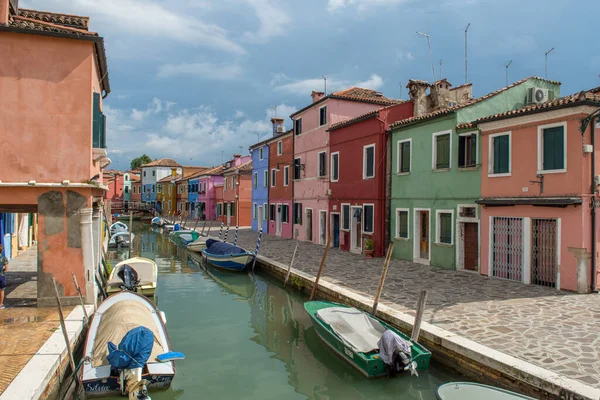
[(166, 193)]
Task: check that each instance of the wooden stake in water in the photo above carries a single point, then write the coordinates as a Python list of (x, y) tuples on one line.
[(419, 317), (316, 285), (257, 248), (235, 237), (290, 266), (209, 227), (203, 227), (221, 230), (386, 264), (64, 329), (86, 319), (226, 232), (130, 232), (196, 224)]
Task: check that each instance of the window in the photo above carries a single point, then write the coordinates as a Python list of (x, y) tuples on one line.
[(232, 209), (402, 223), (322, 115), (441, 150), (552, 145), (126, 189), (272, 212), (159, 188), (369, 161), (499, 154), (255, 180), (260, 153), (298, 213), (153, 188), (345, 217), (368, 218), (404, 156), (285, 213), (444, 226), (467, 150), (255, 211), (335, 166), (153, 173), (298, 126), (297, 167), (279, 148), (204, 187), (273, 172), (144, 173), (322, 164), (170, 190), (266, 211), (225, 184), (286, 176), (265, 178), (233, 182)]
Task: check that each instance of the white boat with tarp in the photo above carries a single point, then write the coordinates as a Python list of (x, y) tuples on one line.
[(145, 280), (127, 350), (118, 227)]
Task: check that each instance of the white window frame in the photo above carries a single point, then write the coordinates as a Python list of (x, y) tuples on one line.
[(255, 183), (319, 164), (491, 173), (279, 148), (286, 175), (266, 178), (407, 210), (232, 182), (399, 158), (266, 211), (362, 227), (260, 154), (365, 161), (342, 217), (540, 149), (300, 169), (273, 177), (320, 108), (331, 166), (437, 227), (476, 133), (434, 150), (254, 210)]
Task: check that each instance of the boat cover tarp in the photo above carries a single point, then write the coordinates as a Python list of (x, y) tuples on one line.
[(146, 270), (119, 319), (356, 328), (221, 248), (389, 342), (133, 351)]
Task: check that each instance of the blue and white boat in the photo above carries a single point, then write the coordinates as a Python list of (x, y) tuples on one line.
[(157, 221), (226, 256)]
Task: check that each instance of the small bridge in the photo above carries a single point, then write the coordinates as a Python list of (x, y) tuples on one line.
[(125, 207)]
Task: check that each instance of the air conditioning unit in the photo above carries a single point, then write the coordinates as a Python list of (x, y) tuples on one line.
[(280, 129), (539, 95)]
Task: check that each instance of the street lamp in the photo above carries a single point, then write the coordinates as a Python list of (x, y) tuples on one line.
[(430, 56)]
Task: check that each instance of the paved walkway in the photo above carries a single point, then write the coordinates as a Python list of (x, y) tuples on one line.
[(559, 331), (21, 280)]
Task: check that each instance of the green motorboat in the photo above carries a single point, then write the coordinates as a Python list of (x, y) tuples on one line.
[(351, 345), (185, 236), (475, 391)]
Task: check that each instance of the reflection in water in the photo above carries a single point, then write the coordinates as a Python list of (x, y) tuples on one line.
[(246, 338)]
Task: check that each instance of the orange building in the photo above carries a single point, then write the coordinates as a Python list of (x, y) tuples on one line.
[(237, 192), (53, 75)]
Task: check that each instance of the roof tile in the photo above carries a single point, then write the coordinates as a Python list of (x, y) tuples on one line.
[(163, 162), (73, 21), (36, 25)]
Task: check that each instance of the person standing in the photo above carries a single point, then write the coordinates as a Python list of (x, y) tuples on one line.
[(3, 269)]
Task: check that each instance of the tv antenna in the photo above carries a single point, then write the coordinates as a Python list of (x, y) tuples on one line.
[(466, 29), (546, 62), (430, 56), (507, 65)]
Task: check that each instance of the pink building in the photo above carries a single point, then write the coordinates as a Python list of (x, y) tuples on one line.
[(538, 182), (310, 172), (207, 193)]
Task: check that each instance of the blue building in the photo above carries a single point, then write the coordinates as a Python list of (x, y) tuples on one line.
[(260, 185), (193, 205)]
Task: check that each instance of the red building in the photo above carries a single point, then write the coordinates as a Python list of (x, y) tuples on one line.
[(237, 192), (358, 170), (281, 160), (116, 185), (136, 188)]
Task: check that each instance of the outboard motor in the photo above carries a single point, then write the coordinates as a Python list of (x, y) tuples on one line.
[(130, 279), (396, 353)]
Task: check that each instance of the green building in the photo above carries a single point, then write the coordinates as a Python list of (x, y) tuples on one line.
[(436, 170)]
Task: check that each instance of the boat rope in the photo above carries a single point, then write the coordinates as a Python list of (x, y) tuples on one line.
[(236, 235)]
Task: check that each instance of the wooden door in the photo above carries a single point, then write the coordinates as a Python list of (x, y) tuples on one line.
[(471, 250), (309, 225), (424, 242)]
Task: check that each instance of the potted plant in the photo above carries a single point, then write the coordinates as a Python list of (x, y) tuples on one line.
[(369, 247)]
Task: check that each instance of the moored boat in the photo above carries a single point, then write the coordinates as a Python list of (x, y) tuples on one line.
[(157, 221), (118, 227), (199, 244), (120, 239), (147, 276), (187, 235), (475, 391), (226, 256), (355, 336), (142, 360)]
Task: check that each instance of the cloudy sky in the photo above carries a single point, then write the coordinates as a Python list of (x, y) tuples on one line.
[(195, 79)]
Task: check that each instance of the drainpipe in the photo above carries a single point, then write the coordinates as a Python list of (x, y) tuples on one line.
[(87, 249), (594, 205), (388, 188)]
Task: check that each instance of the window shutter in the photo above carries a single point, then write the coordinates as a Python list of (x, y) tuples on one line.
[(96, 121), (501, 154), (403, 224), (472, 161), (443, 151), (370, 162), (445, 228), (462, 150), (405, 167), (553, 148)]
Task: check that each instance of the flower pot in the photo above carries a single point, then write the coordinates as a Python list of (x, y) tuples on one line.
[(369, 253)]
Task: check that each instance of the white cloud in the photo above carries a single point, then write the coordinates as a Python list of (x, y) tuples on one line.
[(239, 114), (154, 108), (306, 86), (272, 17), (361, 5), (149, 19), (201, 70)]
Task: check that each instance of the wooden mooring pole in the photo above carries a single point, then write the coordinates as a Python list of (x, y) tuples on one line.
[(290, 266), (86, 319), (130, 232), (64, 328), (386, 264), (316, 285), (419, 317)]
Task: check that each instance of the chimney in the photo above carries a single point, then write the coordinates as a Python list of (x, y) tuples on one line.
[(4, 11), (173, 171), (278, 127), (316, 96), (440, 94), (417, 91)]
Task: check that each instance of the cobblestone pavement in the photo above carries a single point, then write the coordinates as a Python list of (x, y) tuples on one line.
[(21, 280), (559, 331)]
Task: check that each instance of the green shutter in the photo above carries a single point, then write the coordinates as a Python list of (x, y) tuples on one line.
[(442, 151), (501, 154), (462, 151), (405, 149), (554, 148), (96, 121), (445, 228), (472, 145), (403, 224)]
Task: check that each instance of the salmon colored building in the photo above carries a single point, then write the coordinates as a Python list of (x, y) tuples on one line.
[(281, 190), (539, 192), (114, 180), (358, 175), (53, 75), (310, 173), (136, 189), (237, 192)]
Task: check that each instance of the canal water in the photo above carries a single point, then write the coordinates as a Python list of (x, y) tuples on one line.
[(247, 338)]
